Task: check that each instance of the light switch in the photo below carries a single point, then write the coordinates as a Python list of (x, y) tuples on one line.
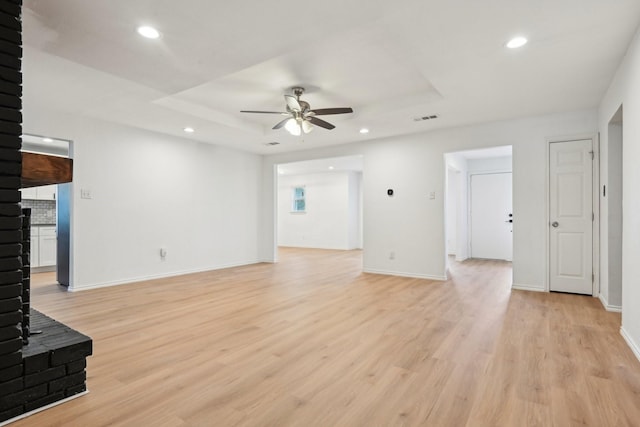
[(85, 193)]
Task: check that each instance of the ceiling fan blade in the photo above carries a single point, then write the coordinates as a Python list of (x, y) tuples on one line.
[(281, 124), (326, 111), (265, 112), (318, 122), (293, 103)]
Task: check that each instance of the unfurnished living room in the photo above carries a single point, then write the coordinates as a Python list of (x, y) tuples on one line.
[(346, 213)]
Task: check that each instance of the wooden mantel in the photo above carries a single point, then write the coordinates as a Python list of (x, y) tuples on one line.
[(43, 169)]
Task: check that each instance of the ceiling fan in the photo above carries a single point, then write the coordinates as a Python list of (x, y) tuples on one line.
[(301, 117)]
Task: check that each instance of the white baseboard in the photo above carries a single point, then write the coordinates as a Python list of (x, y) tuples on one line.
[(605, 304), (527, 288), (462, 258), (404, 274), (630, 342), (158, 276), (43, 408), (46, 269)]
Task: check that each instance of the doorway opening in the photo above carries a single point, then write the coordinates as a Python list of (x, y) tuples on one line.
[(319, 204), (50, 215), (479, 214)]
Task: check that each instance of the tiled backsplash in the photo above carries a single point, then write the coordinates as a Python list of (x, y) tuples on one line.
[(42, 211)]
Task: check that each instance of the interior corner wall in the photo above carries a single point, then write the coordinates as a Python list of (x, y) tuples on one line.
[(453, 189), (613, 219), (331, 217), (355, 214), (625, 90), (410, 223), (459, 163), (149, 191)]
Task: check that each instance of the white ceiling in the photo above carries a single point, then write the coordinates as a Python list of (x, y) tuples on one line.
[(390, 61)]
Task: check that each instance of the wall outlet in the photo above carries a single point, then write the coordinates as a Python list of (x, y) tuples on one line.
[(392, 255), (432, 195), (85, 193)]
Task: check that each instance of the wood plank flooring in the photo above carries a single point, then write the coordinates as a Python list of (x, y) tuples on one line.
[(312, 341)]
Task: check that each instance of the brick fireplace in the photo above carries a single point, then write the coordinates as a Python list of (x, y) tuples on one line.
[(36, 370)]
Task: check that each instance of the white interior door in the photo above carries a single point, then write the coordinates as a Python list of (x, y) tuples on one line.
[(571, 216), (491, 208)]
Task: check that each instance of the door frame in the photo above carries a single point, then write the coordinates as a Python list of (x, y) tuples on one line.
[(595, 205)]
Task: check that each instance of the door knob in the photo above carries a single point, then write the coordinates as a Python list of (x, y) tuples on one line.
[(555, 224)]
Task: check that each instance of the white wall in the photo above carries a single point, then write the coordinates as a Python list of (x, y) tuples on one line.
[(492, 164), (410, 223), (332, 217), (149, 190), (625, 90)]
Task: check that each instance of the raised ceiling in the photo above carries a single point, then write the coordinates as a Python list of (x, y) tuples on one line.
[(390, 61)]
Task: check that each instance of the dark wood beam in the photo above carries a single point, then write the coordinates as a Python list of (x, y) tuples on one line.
[(43, 169)]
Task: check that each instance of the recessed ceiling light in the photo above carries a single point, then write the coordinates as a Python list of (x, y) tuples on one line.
[(189, 130), (516, 42), (364, 130), (47, 140), (331, 167), (148, 32)]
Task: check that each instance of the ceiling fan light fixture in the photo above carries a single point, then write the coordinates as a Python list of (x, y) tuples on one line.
[(306, 126), (301, 118), (148, 32), (516, 42), (293, 127)]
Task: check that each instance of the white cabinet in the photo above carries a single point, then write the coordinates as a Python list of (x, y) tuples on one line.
[(43, 246), (46, 192), (29, 193), (47, 246)]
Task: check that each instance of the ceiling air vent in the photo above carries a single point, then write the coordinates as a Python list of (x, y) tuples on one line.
[(419, 119), (272, 143)]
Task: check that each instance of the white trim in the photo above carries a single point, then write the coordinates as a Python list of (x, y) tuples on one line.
[(595, 206), (518, 287), (611, 308), (42, 408), (630, 342), (160, 276), (404, 274)]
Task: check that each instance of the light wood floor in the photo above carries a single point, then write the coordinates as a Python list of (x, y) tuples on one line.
[(312, 341)]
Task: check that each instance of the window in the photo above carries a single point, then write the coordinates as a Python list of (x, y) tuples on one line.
[(299, 202)]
